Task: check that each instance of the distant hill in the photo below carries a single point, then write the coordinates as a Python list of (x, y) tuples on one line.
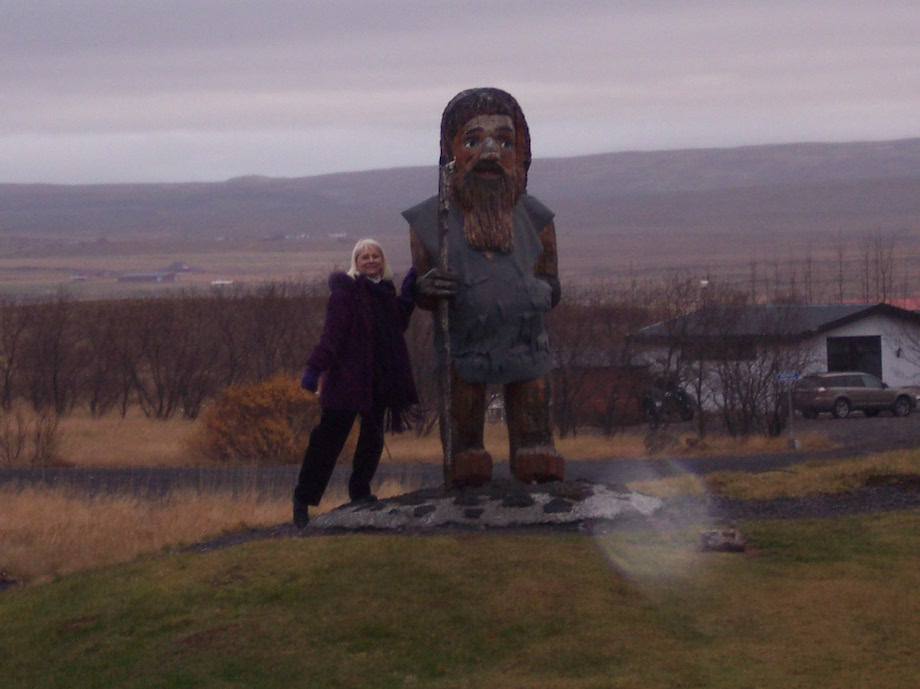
[(635, 210)]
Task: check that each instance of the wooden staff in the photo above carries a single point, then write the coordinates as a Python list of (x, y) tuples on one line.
[(445, 168)]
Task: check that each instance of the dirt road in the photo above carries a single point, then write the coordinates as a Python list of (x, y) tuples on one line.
[(853, 436)]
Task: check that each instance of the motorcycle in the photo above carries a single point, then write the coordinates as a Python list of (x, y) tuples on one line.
[(666, 403)]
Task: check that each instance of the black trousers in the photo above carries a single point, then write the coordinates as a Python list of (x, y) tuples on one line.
[(326, 442)]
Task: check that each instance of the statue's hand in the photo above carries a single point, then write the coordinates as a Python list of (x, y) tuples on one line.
[(438, 283)]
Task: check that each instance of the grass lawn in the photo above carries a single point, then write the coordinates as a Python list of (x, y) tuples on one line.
[(112, 600), (824, 603)]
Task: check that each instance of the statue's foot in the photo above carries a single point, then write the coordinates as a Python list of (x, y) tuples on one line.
[(538, 465), (471, 469)]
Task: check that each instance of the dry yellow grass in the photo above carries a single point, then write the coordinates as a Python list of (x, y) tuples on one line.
[(760, 444), (112, 441), (136, 440), (799, 480), (48, 532), (593, 445), (409, 448), (813, 478)]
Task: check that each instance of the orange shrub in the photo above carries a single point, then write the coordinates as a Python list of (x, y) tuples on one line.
[(258, 423)]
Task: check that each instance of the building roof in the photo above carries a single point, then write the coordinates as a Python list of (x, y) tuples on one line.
[(595, 357), (786, 322)]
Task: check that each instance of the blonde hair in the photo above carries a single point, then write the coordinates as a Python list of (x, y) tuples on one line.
[(363, 244)]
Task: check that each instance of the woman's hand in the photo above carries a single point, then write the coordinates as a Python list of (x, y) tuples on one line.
[(309, 381)]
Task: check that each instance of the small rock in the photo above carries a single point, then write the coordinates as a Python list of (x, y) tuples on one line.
[(422, 510), (902, 481), (467, 499), (557, 506), (722, 541), (6, 581), (519, 500), (578, 491)]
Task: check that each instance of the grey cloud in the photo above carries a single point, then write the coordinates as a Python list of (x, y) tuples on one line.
[(592, 75)]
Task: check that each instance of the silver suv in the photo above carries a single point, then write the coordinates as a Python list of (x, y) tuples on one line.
[(844, 391)]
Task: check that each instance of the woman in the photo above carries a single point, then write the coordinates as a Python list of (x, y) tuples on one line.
[(363, 359)]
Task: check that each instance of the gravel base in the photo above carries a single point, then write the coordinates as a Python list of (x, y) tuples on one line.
[(672, 513)]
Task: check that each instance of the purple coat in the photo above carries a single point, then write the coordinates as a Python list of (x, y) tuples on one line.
[(345, 352)]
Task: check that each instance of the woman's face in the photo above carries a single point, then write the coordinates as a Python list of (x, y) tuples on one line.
[(370, 262)]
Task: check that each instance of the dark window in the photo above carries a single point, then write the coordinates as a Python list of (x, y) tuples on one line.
[(855, 354), (872, 382)]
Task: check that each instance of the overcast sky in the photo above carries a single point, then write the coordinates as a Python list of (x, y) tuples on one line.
[(199, 90)]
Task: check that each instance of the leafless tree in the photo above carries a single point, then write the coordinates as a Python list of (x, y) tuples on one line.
[(50, 365), (679, 358), (278, 323), (883, 265), (752, 272), (570, 327), (840, 270), (101, 332), (748, 367), (15, 321), (594, 379), (808, 278), (171, 354)]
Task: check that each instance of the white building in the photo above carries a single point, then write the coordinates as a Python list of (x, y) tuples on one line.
[(878, 338)]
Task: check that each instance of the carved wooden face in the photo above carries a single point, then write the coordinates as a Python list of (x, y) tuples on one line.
[(485, 147), (485, 181)]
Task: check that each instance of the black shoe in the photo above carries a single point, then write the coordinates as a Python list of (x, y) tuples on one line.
[(301, 516), (370, 497)]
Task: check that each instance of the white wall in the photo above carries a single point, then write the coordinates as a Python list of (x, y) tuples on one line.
[(896, 370)]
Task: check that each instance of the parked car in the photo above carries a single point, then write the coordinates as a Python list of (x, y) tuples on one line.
[(841, 392)]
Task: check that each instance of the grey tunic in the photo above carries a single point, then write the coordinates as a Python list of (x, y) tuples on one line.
[(496, 319)]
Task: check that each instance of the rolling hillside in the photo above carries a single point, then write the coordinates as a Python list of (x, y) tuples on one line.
[(635, 212)]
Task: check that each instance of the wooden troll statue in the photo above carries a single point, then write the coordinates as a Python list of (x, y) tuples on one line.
[(501, 276)]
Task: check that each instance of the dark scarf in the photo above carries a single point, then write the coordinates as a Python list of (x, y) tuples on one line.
[(393, 386)]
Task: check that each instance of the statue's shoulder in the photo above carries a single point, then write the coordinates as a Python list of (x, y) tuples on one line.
[(424, 214), (539, 214)]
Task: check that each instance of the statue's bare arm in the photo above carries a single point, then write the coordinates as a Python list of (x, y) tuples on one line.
[(547, 267)]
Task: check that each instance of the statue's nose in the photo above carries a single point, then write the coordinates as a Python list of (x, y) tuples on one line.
[(489, 149)]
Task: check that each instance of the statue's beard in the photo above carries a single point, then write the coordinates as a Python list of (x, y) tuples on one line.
[(488, 210)]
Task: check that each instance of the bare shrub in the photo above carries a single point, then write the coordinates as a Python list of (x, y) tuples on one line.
[(14, 434), (263, 423), (46, 440), (29, 438)]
